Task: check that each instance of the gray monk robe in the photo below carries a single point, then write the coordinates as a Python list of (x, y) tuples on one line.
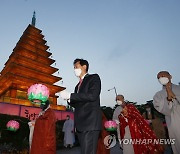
[(68, 129), (127, 148), (171, 110), (116, 114)]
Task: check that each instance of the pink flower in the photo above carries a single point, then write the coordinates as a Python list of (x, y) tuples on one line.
[(110, 124), (37, 89), (13, 124)]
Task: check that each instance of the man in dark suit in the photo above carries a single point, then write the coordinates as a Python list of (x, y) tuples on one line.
[(86, 101)]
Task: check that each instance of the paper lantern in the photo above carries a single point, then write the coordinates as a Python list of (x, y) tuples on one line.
[(110, 125), (38, 93), (12, 125)]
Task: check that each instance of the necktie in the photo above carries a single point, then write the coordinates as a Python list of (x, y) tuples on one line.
[(80, 82)]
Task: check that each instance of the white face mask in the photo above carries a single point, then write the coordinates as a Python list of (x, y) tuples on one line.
[(77, 72), (119, 102), (163, 80)]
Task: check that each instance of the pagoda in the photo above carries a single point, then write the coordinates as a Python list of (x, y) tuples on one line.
[(28, 64)]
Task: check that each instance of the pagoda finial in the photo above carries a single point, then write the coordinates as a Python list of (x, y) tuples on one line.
[(34, 19)]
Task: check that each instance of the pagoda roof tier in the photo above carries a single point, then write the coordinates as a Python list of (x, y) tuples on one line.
[(18, 69), (32, 40), (33, 48), (23, 83), (34, 37), (34, 43), (21, 60), (39, 37), (33, 55), (40, 48), (34, 31)]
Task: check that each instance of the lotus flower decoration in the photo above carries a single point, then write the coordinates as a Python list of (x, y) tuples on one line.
[(110, 125), (12, 125), (38, 94)]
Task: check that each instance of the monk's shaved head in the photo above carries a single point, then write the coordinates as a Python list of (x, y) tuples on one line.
[(120, 97), (164, 74)]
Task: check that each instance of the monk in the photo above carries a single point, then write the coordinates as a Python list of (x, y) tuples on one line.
[(44, 136), (134, 127), (167, 102), (68, 129)]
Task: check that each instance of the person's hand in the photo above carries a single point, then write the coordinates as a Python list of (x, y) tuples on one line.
[(117, 121), (65, 95), (170, 94), (31, 123)]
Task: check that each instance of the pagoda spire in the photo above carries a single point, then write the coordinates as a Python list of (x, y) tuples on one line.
[(33, 23)]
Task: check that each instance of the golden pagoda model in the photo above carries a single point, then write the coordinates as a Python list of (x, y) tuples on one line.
[(28, 64)]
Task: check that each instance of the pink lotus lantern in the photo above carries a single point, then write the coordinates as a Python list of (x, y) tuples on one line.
[(110, 125), (38, 93), (12, 125)]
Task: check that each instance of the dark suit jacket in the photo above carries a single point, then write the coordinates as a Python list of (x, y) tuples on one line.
[(88, 115)]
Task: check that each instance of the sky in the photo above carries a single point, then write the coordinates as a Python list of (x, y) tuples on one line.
[(127, 42)]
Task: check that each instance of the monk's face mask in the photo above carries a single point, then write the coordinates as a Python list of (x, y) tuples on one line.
[(163, 80)]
